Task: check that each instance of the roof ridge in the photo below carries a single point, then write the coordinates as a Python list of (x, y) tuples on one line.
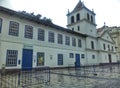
[(78, 6)]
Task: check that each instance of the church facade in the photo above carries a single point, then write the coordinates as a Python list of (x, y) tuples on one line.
[(26, 41), (114, 31), (100, 47)]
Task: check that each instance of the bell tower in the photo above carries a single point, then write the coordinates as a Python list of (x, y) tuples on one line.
[(82, 20)]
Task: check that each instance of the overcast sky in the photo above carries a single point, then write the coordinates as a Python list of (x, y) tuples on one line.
[(106, 10)]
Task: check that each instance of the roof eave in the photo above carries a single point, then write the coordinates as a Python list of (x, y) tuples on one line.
[(17, 14)]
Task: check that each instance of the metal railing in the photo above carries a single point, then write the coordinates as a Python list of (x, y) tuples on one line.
[(24, 78)]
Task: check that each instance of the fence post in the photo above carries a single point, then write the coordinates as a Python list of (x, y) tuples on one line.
[(2, 74), (18, 78), (3, 69), (94, 70)]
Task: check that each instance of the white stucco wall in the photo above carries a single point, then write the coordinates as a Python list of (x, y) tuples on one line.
[(67, 61), (50, 49), (105, 58), (11, 46), (90, 59)]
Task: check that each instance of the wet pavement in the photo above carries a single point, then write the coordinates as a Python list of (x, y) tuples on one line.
[(97, 77), (83, 77)]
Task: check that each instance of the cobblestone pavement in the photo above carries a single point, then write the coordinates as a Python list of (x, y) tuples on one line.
[(91, 77), (71, 78)]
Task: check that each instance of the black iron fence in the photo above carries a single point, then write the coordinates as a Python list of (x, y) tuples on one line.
[(24, 78), (34, 78)]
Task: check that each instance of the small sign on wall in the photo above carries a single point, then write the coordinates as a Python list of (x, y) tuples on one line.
[(26, 46)]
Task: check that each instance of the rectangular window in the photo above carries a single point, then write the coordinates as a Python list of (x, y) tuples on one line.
[(73, 42), (60, 39), (93, 56), (108, 47), (78, 27), (13, 28), (112, 48), (0, 25), (41, 34), (71, 55), (28, 31), (72, 29), (51, 37), (79, 43), (11, 58), (82, 55), (60, 59), (40, 59), (67, 40), (92, 45), (104, 47)]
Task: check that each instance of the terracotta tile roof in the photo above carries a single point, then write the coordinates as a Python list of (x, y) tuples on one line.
[(101, 29)]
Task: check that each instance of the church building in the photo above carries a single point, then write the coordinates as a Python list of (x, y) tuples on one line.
[(27, 41)]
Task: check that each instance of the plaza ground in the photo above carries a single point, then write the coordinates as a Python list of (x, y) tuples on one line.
[(104, 76)]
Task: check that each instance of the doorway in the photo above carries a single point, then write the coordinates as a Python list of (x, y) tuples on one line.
[(27, 56), (109, 57), (77, 62)]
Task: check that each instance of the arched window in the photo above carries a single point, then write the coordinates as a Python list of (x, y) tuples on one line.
[(72, 19), (88, 16), (78, 17), (91, 18)]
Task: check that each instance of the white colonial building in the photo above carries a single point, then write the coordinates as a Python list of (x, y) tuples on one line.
[(106, 49), (99, 48), (115, 34), (26, 41)]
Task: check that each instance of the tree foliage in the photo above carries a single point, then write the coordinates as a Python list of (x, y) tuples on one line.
[(37, 17)]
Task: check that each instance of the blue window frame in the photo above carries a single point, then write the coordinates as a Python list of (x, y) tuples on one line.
[(93, 56), (0, 25), (78, 27), (82, 56), (60, 59), (79, 43), (112, 48), (88, 18), (73, 41), (67, 40), (28, 31), (13, 28), (41, 34), (51, 36), (108, 47), (72, 19), (11, 58), (78, 17), (92, 45), (92, 19), (71, 55), (104, 46), (60, 39)]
